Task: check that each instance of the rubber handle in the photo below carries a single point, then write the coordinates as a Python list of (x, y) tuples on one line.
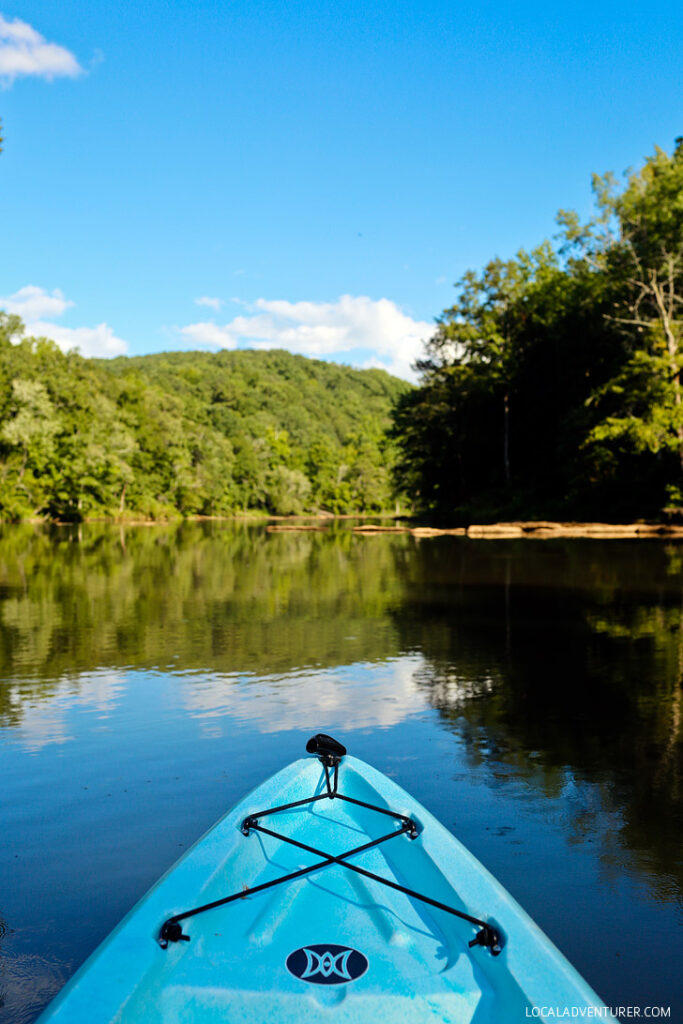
[(323, 744)]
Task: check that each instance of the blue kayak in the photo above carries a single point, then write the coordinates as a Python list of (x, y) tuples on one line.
[(326, 893)]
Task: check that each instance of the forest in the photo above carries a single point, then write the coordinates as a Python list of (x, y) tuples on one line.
[(552, 386), (188, 434)]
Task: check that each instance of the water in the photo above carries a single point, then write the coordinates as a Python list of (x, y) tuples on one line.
[(527, 692)]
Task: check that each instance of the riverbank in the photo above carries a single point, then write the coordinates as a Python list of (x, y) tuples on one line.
[(542, 530), (504, 531), (319, 523), (602, 531)]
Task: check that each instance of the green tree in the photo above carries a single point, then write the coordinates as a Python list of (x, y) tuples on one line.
[(33, 424), (637, 241), (475, 335), (288, 491)]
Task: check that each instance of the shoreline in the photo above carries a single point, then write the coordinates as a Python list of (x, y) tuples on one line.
[(544, 530), (318, 522), (539, 530)]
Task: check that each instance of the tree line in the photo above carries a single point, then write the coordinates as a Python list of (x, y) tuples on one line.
[(552, 386), (188, 433)]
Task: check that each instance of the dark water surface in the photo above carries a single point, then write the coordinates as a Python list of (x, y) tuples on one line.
[(527, 692)]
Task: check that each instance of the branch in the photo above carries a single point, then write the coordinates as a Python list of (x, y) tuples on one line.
[(623, 320)]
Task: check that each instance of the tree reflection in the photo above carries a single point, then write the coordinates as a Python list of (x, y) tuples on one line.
[(563, 661), (231, 598)]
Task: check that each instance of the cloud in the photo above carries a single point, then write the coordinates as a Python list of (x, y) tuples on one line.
[(206, 300), (99, 341), (32, 304), (207, 333), (351, 324), (23, 51)]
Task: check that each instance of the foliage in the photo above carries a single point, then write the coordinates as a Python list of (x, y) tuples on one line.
[(187, 433), (553, 384)]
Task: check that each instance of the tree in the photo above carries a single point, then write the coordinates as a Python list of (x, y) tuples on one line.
[(288, 491), (33, 424), (11, 329), (640, 248), (475, 333)]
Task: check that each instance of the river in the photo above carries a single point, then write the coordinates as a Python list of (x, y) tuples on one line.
[(527, 692)]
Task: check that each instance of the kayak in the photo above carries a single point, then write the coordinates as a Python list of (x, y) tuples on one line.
[(326, 893)]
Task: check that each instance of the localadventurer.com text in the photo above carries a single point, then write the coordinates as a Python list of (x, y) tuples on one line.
[(598, 1012)]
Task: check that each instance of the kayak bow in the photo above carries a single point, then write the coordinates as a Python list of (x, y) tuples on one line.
[(341, 893)]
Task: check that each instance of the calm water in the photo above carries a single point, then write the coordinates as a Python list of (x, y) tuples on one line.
[(527, 692)]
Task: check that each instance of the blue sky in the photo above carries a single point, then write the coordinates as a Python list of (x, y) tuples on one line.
[(319, 174)]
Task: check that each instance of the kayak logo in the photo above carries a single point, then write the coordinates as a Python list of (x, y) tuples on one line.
[(327, 964)]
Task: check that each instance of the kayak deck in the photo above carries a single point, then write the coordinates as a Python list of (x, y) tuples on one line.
[(238, 964), (330, 753)]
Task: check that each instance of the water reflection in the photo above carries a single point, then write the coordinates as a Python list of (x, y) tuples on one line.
[(390, 694), (39, 721), (209, 596), (557, 654), (573, 661), (532, 689)]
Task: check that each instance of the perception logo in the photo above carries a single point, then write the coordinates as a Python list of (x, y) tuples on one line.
[(327, 964)]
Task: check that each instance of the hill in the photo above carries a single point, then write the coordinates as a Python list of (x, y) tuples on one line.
[(188, 433)]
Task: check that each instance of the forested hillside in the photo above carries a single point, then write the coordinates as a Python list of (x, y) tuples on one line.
[(188, 433), (552, 386)]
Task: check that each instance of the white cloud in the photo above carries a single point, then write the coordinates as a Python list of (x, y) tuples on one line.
[(324, 329), (97, 341), (207, 333), (206, 300), (23, 51), (32, 304)]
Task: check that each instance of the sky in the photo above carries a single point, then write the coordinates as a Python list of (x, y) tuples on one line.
[(309, 176)]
